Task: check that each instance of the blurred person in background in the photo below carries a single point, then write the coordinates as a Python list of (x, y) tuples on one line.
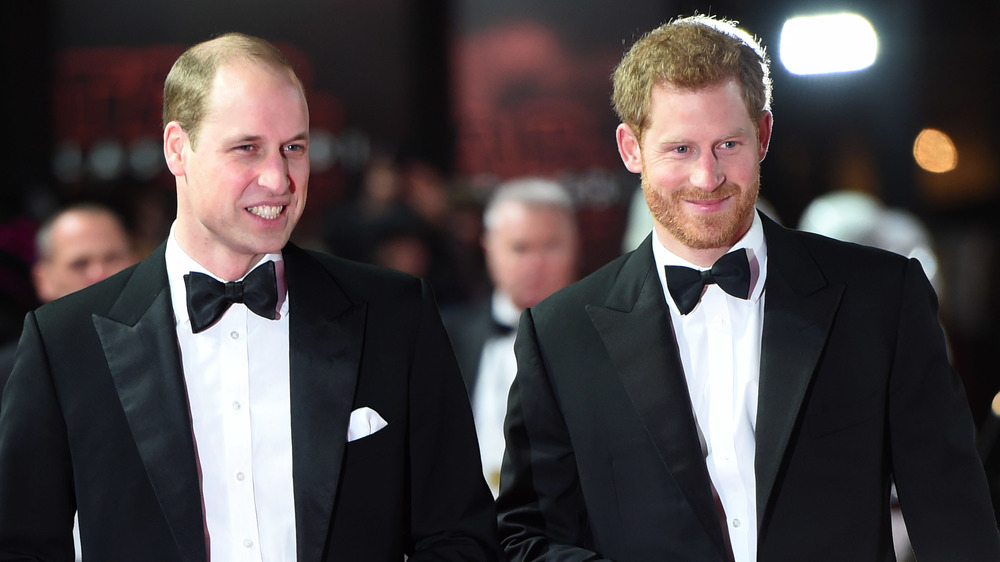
[(399, 217), (531, 246), (75, 247), (78, 247)]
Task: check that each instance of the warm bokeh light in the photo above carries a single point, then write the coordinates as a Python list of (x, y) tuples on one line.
[(935, 152), (823, 44)]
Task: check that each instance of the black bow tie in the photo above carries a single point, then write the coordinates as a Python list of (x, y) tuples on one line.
[(208, 299), (500, 329), (731, 272)]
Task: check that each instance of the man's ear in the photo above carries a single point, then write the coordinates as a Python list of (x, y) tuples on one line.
[(174, 141), (764, 133), (629, 148)]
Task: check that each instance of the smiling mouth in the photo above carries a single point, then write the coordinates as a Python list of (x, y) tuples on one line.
[(269, 212), (706, 202)]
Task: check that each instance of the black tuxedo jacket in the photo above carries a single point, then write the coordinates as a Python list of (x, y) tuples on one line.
[(603, 458), (95, 417), (469, 328)]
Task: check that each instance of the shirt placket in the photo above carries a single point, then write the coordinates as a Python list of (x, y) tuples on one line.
[(234, 361), (724, 416)]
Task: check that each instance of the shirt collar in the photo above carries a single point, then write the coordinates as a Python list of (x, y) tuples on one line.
[(754, 243), (504, 310)]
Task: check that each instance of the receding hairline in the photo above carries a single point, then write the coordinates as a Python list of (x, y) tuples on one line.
[(202, 63), (43, 236), (232, 46), (530, 193)]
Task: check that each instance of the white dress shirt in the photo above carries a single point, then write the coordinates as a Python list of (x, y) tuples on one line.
[(237, 377), (719, 343), (497, 368)]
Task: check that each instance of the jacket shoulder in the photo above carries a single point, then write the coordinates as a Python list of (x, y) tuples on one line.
[(838, 258), (95, 299), (356, 279)]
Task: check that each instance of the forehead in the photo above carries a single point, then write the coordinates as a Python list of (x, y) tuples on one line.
[(520, 220), (78, 231), (255, 92), (717, 105)]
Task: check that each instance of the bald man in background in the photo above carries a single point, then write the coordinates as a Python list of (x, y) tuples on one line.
[(78, 247), (75, 247)]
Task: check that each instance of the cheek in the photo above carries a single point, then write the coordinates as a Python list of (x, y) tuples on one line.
[(665, 179), (299, 174), (743, 171)]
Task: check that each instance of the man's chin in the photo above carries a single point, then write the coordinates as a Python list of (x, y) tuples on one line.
[(706, 233)]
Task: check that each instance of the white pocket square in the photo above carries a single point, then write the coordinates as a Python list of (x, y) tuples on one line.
[(364, 422)]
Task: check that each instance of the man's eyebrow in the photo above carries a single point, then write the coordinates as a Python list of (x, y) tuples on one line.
[(257, 138), (245, 139)]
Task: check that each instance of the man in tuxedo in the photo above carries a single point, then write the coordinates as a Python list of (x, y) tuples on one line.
[(531, 244), (234, 396), (733, 389)]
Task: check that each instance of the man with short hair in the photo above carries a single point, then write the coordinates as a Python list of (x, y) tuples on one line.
[(77, 247), (235, 397), (733, 390), (531, 244)]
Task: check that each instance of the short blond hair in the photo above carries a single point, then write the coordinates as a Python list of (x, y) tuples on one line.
[(690, 53), (189, 82)]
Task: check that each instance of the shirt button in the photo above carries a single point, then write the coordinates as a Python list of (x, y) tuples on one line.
[(736, 523), (240, 476), (248, 543), (236, 405), (235, 335), (717, 321)]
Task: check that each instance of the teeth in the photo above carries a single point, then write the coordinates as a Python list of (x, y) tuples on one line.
[(270, 212)]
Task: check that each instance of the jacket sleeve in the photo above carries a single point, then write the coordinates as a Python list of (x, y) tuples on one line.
[(939, 476), (542, 515), (453, 516), (36, 487)]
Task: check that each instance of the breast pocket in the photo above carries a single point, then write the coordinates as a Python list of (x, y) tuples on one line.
[(380, 444)]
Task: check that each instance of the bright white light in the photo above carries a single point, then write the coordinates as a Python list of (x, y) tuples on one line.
[(827, 43)]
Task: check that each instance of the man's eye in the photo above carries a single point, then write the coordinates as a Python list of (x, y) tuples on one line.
[(682, 149)]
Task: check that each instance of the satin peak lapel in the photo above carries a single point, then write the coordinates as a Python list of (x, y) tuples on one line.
[(140, 345), (798, 312), (637, 333), (326, 336)]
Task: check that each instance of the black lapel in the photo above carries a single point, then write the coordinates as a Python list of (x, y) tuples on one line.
[(140, 344), (326, 334), (799, 310), (636, 329)]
